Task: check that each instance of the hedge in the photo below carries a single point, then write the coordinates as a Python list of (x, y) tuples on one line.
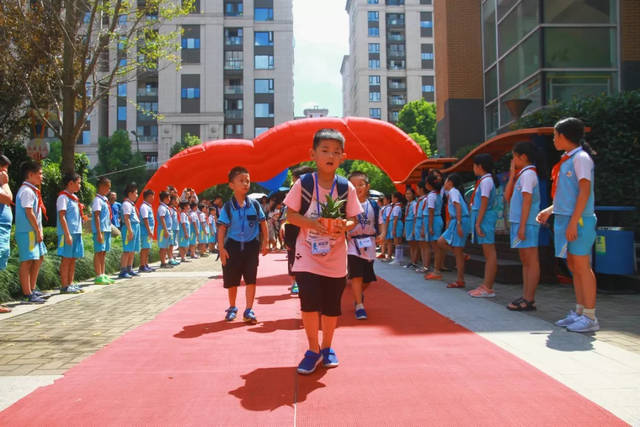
[(49, 277)]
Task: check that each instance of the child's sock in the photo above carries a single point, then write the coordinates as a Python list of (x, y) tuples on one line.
[(130, 269), (579, 309), (590, 313), (360, 307)]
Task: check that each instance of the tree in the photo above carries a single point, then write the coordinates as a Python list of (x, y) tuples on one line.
[(75, 52), (188, 141), (118, 162), (419, 117), (422, 141), (377, 178)]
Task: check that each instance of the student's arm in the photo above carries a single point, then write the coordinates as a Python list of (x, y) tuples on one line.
[(527, 199), (127, 223), (508, 191), (146, 224), (6, 196), (584, 190), (184, 228), (31, 217), (484, 203), (431, 217), (96, 220), (222, 232), (65, 228), (163, 223), (265, 237), (459, 218)]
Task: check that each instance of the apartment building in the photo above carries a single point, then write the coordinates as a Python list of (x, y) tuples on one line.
[(391, 57), (235, 81)]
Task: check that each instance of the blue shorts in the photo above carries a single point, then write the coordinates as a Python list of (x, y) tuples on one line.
[(193, 236), (488, 227), (438, 225), (102, 247), (164, 239), (145, 239), (531, 233), (131, 243), (184, 240), (409, 224), (451, 233), (583, 245), (74, 250), (5, 253), (28, 249), (174, 236)]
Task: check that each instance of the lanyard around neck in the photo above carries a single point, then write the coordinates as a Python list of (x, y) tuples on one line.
[(363, 217)]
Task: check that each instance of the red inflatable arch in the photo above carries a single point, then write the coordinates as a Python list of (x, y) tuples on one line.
[(208, 164)]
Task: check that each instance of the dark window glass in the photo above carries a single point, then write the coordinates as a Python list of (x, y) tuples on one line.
[(580, 11), (263, 14), (517, 24), (580, 47)]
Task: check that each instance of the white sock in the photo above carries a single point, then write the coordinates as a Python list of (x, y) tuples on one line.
[(360, 307), (590, 313), (579, 309)]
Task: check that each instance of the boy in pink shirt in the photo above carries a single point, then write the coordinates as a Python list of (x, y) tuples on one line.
[(320, 264)]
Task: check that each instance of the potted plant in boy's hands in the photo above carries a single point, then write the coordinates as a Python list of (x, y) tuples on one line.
[(331, 214)]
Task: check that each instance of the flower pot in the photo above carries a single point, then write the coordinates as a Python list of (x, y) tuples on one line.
[(331, 224)]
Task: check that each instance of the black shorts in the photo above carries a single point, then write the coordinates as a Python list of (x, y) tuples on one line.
[(320, 293), (291, 257), (241, 263), (360, 267)]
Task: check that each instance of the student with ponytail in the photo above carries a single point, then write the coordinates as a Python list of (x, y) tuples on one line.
[(575, 220), (419, 231), (396, 226), (455, 236), (409, 227), (484, 215), (433, 224)]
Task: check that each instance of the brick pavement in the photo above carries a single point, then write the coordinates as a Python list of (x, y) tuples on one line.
[(55, 337)]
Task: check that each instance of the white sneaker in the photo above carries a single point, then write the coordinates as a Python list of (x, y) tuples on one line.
[(395, 261), (584, 324), (571, 318)]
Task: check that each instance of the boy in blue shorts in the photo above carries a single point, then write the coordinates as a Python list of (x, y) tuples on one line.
[(321, 256), (147, 227), (164, 230), (175, 229), (194, 228), (69, 223), (130, 232), (184, 231), (6, 217), (29, 211), (101, 229), (239, 244)]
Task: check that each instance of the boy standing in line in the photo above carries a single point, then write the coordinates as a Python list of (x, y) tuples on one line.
[(194, 229), (148, 225), (175, 228), (70, 218), (321, 257), (130, 232), (101, 228), (31, 248), (239, 244), (164, 231)]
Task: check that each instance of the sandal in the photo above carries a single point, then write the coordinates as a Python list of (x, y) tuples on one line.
[(522, 304), (456, 284), (432, 276), (4, 309)]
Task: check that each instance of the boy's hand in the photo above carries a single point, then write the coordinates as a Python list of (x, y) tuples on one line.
[(39, 237), (100, 238), (572, 231), (512, 168), (67, 239), (129, 234), (543, 216), (522, 235), (4, 177), (265, 249), (479, 231), (340, 228), (224, 256), (317, 226), (459, 229)]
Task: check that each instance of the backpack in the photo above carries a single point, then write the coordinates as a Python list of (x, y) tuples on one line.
[(291, 231), (376, 214)]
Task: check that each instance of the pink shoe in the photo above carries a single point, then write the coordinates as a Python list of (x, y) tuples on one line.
[(482, 292)]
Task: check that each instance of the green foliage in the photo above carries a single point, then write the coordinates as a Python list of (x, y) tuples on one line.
[(332, 207), (422, 141), (188, 141), (55, 151), (464, 150), (119, 163), (378, 180), (615, 135), (419, 117)]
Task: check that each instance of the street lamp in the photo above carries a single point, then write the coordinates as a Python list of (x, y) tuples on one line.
[(134, 133)]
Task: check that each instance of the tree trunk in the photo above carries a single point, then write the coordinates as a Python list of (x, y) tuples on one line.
[(68, 91)]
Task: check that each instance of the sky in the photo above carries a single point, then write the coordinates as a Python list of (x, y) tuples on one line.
[(321, 35)]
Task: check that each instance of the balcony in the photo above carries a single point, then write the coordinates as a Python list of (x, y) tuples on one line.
[(233, 41), (396, 54), (395, 37), (144, 91), (397, 100), (233, 114), (395, 22), (237, 64), (396, 65), (397, 85), (233, 90)]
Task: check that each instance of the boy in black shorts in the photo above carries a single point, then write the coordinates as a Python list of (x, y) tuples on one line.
[(239, 244)]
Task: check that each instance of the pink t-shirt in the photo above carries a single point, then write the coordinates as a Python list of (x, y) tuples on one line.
[(334, 263)]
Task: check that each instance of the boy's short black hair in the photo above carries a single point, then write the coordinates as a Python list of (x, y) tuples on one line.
[(148, 192), (183, 205), (30, 166), (359, 174), (201, 206), (171, 198), (299, 171), (130, 188), (237, 171), (331, 134), (4, 160), (69, 177), (103, 180), (164, 195), (193, 205)]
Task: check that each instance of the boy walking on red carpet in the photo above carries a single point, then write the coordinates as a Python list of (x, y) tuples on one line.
[(321, 255), (239, 244)]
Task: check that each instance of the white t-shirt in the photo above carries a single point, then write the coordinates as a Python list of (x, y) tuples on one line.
[(145, 211), (528, 181), (96, 205), (486, 185), (368, 229), (162, 211), (432, 198), (184, 218), (455, 197), (396, 211), (27, 197), (193, 216), (62, 203), (203, 217), (129, 209), (583, 164)]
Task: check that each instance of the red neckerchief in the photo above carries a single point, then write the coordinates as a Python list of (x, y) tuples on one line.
[(420, 202), (135, 208), (555, 172), (75, 199), (473, 195), (36, 190)]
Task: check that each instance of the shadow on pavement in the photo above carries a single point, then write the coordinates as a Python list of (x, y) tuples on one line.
[(562, 340), (275, 325), (272, 299), (195, 331)]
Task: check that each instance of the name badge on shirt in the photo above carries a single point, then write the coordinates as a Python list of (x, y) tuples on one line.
[(320, 245), (363, 242)]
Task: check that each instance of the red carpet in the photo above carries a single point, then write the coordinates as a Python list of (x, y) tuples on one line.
[(407, 365)]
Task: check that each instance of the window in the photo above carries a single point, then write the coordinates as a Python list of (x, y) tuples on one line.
[(521, 62), (122, 113), (580, 11), (425, 56), (372, 1), (491, 84), (122, 89), (261, 130), (395, 19), (233, 129), (397, 84), (426, 24), (374, 96), (263, 86), (373, 16), (428, 88), (122, 20), (375, 113), (190, 93), (374, 31), (233, 60), (86, 137), (580, 47), (232, 8), (395, 2), (374, 80), (190, 43), (263, 14), (264, 110), (123, 62), (489, 32), (517, 24), (374, 64), (263, 38), (393, 116), (264, 62), (233, 36), (564, 86), (374, 47)]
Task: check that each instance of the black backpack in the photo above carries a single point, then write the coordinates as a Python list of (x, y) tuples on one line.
[(291, 231)]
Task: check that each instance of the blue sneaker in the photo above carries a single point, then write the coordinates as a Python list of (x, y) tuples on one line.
[(133, 273), (124, 275), (329, 358), (584, 324), (231, 313), (309, 362), (37, 292), (34, 299), (361, 314), (174, 262), (294, 289), (69, 290), (571, 318), (249, 316)]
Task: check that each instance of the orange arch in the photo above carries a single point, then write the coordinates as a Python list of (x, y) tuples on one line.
[(208, 164)]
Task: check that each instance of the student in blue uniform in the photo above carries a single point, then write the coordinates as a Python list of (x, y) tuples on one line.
[(455, 236), (184, 231), (101, 229), (433, 223), (419, 231), (164, 230), (575, 219), (147, 227), (484, 215), (69, 224), (396, 226), (175, 229), (385, 215), (130, 232), (6, 217), (409, 227)]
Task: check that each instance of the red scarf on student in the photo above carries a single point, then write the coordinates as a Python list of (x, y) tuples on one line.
[(36, 190), (75, 199), (555, 172), (108, 206), (478, 181)]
